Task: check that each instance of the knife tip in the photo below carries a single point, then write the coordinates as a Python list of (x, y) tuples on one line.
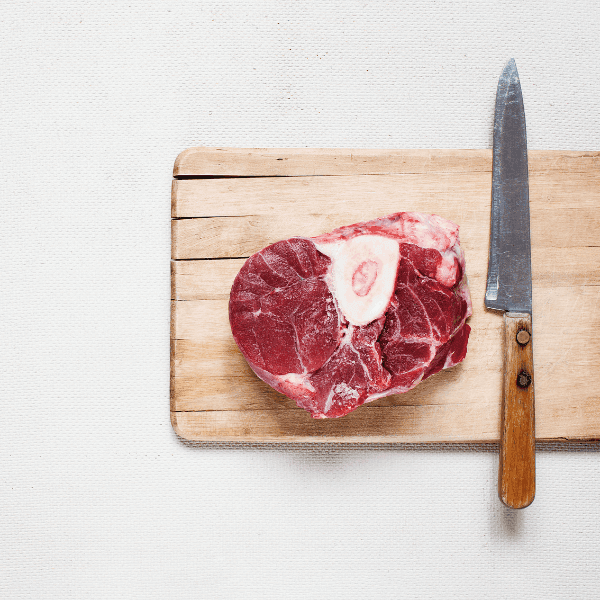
[(511, 68)]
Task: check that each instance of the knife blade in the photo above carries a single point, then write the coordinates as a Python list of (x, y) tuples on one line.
[(509, 290)]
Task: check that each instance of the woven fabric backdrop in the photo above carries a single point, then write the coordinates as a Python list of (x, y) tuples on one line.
[(98, 496)]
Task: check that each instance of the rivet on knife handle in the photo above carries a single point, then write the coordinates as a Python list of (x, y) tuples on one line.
[(516, 477)]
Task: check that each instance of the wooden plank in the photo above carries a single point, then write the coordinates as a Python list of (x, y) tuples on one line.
[(424, 192), (244, 162), (270, 195), (215, 395), (253, 162), (234, 237), (475, 421)]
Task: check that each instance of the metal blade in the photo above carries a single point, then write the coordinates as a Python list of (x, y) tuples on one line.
[(509, 268)]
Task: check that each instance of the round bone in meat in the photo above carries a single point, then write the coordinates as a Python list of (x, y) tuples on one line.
[(363, 276)]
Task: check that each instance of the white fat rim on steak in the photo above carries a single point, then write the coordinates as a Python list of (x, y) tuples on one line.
[(362, 276)]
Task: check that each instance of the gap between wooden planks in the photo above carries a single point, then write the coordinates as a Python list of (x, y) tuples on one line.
[(230, 203)]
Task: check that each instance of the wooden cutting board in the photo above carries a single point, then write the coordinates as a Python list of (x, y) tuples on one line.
[(229, 203)]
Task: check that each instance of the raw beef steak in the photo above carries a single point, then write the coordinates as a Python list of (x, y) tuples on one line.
[(360, 313)]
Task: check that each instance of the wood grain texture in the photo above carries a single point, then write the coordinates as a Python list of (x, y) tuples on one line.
[(516, 475), (261, 162), (217, 223), (267, 195)]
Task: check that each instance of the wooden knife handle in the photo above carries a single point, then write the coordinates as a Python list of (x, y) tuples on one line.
[(516, 477)]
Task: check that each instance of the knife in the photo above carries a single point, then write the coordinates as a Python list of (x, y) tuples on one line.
[(509, 290)]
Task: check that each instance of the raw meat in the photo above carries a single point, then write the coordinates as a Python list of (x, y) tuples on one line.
[(360, 313)]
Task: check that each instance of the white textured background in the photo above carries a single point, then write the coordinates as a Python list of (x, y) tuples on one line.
[(98, 497)]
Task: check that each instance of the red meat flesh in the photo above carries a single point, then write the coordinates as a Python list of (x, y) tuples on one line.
[(360, 313)]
